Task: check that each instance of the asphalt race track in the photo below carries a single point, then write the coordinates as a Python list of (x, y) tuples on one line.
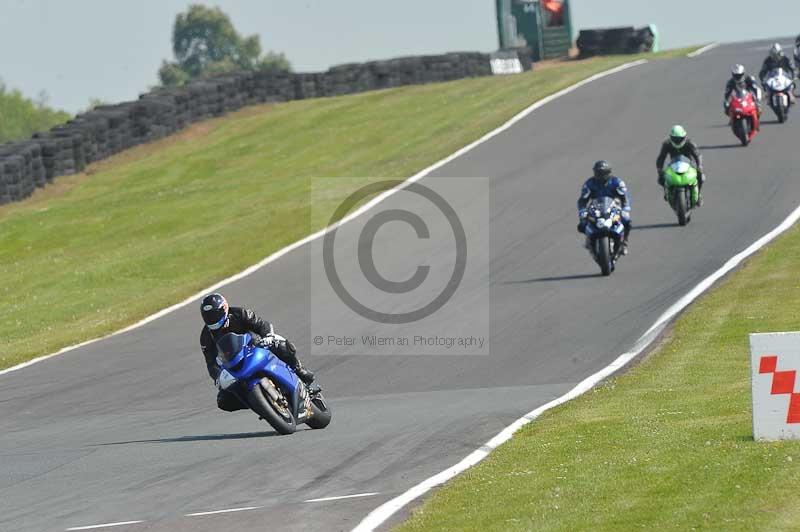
[(127, 429)]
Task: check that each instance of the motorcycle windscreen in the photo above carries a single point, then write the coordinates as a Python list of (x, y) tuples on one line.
[(231, 349), (604, 205), (682, 166), (777, 80), (741, 93)]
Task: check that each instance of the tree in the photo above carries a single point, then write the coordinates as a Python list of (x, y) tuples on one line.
[(172, 74), (274, 62), (205, 42)]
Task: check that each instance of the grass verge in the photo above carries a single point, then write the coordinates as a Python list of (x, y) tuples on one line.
[(667, 445), (94, 253)]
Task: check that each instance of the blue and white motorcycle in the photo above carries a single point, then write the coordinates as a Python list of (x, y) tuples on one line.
[(779, 87), (268, 386), (604, 232)]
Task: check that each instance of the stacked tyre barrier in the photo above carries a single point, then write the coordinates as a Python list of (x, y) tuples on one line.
[(613, 41), (110, 129)]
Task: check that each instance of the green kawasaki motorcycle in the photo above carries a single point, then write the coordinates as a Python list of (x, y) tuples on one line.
[(681, 190)]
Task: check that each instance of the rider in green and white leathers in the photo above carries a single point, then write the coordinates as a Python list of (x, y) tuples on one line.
[(678, 143)]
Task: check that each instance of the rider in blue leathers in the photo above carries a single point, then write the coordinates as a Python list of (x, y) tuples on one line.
[(605, 185)]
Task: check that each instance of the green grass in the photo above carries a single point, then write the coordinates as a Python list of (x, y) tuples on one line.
[(92, 254), (667, 445), (21, 117)]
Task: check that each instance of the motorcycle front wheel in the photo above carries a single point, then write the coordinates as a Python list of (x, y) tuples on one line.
[(681, 206), (604, 255), (742, 131), (779, 109), (274, 410)]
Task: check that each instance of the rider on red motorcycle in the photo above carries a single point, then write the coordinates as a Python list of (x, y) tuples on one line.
[(740, 78)]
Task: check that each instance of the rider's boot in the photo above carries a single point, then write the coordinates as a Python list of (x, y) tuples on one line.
[(625, 236), (303, 373), (287, 352)]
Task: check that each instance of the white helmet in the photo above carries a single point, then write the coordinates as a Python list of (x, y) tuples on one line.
[(776, 51), (738, 73)]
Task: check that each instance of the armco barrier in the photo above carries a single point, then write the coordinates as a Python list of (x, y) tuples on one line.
[(109, 129)]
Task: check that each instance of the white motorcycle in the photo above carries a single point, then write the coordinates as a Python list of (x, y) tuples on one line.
[(780, 87)]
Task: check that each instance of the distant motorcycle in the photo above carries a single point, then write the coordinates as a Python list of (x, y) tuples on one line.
[(681, 188), (268, 386), (780, 87), (604, 232), (744, 115)]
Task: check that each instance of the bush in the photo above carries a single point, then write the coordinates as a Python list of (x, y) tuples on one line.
[(20, 117)]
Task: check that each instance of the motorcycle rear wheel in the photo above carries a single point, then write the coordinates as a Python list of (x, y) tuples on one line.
[(262, 404), (320, 412)]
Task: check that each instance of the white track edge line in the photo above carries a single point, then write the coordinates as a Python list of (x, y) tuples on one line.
[(228, 511), (340, 497), (291, 247), (105, 525), (378, 516), (703, 50)]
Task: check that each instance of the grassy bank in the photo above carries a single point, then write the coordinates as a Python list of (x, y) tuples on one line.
[(20, 117), (96, 252), (666, 446)]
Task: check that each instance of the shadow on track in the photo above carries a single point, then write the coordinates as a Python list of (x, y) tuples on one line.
[(720, 147), (647, 227), (203, 437), (556, 279)]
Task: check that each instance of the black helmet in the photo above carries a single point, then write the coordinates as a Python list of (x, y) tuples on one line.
[(602, 170), (214, 309)]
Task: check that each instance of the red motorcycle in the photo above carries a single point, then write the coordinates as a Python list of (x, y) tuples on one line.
[(744, 115)]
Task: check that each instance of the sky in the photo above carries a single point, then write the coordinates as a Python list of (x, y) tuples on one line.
[(111, 50)]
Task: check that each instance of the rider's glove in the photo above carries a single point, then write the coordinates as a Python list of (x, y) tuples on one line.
[(271, 340), (582, 215), (661, 178), (265, 342), (290, 347)]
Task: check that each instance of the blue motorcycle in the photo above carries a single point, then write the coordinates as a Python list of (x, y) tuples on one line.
[(604, 232), (268, 386)]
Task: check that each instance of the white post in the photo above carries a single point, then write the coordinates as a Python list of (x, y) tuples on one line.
[(774, 368)]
